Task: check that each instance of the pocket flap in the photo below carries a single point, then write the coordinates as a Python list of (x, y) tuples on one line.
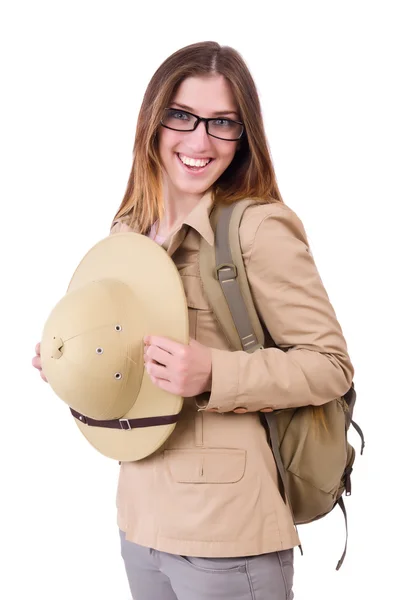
[(212, 465)]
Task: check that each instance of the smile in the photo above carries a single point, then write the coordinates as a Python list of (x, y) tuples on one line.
[(194, 165)]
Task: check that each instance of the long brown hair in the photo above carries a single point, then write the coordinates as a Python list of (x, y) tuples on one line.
[(251, 172)]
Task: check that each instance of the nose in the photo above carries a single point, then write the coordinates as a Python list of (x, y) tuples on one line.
[(199, 139)]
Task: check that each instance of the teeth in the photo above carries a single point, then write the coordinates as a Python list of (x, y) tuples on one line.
[(194, 162)]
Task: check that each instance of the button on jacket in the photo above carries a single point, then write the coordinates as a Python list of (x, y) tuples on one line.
[(212, 490)]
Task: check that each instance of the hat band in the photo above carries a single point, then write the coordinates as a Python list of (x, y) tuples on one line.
[(126, 424)]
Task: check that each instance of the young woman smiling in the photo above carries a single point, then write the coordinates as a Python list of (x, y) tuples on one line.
[(203, 518)]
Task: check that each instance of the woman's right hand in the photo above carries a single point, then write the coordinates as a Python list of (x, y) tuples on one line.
[(36, 362)]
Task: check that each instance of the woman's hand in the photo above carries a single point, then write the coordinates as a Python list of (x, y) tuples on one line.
[(180, 369), (36, 362), (184, 370)]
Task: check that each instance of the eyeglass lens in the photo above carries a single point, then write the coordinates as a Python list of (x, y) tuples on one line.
[(219, 127)]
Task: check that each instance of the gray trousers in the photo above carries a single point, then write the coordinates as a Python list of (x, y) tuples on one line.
[(155, 575)]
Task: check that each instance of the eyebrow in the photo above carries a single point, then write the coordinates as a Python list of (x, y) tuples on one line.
[(216, 114)]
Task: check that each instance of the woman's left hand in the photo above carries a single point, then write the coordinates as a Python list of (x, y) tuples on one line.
[(183, 370)]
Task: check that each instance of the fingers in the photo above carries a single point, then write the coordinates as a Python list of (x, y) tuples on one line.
[(165, 344), (153, 353), (266, 410), (157, 371), (36, 362)]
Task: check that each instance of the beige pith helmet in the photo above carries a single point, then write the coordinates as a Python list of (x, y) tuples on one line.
[(125, 287)]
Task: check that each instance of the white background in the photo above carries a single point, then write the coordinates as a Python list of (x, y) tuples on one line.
[(73, 75)]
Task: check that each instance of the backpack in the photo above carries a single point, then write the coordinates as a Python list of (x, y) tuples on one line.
[(314, 463)]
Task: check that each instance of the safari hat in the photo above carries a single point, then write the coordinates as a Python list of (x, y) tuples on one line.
[(126, 287)]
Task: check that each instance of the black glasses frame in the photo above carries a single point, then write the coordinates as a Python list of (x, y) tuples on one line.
[(206, 121)]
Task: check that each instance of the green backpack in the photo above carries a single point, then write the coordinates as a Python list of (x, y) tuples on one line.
[(314, 463)]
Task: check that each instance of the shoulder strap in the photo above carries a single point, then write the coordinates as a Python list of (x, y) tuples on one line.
[(225, 281), (226, 285)]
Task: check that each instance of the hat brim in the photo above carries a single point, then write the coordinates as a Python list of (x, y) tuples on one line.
[(152, 275)]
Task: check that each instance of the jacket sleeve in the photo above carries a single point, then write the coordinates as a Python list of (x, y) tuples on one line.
[(310, 364)]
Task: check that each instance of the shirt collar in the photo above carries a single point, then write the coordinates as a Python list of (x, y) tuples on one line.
[(198, 218)]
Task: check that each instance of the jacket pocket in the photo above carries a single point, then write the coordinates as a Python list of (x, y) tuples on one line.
[(216, 565), (195, 301), (211, 465), (198, 490), (203, 324)]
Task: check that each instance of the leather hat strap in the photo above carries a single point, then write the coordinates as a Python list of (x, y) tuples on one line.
[(126, 424)]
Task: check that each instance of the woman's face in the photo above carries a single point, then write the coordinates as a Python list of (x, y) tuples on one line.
[(206, 97)]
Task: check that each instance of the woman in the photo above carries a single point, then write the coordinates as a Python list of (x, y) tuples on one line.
[(203, 518)]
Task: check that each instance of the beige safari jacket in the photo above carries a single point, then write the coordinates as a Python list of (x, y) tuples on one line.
[(212, 490)]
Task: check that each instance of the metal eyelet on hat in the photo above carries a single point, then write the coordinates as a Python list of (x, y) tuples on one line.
[(118, 327), (117, 375), (99, 351)]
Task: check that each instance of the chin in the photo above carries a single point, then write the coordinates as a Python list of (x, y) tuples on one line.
[(193, 188)]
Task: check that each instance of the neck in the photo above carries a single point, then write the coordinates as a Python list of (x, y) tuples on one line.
[(177, 205)]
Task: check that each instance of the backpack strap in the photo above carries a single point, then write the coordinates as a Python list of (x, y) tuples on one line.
[(350, 399), (269, 423), (343, 508), (360, 433), (234, 309), (224, 271), (225, 281)]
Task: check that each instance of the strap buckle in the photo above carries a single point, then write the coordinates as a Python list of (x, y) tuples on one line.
[(128, 428), (226, 267)]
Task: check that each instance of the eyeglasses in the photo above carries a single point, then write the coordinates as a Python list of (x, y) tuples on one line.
[(219, 127)]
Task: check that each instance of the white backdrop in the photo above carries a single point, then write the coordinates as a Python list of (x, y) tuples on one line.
[(73, 76)]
